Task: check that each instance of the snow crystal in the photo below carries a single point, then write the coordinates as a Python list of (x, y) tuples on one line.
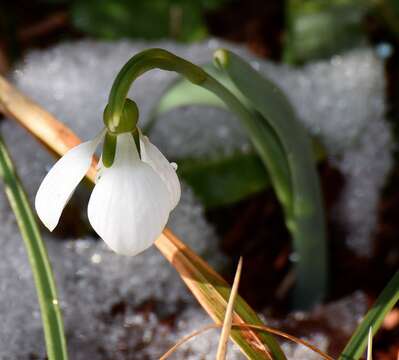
[(101, 293), (298, 352), (203, 346)]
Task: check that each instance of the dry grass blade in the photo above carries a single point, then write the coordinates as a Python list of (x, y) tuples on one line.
[(224, 337), (284, 335), (207, 286), (212, 292), (186, 338), (370, 345)]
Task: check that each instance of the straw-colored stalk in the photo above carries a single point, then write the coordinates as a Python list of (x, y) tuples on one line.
[(224, 337)]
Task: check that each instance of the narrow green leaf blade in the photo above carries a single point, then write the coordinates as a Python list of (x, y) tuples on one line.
[(201, 174), (305, 214), (374, 317), (38, 258), (183, 93)]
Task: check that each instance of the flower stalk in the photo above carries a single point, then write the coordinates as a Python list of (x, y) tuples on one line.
[(164, 60), (305, 225), (137, 66)]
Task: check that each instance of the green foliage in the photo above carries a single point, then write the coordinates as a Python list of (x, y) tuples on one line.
[(286, 150), (113, 19), (373, 319), (388, 11), (38, 258), (222, 180), (201, 174), (277, 136), (321, 28)]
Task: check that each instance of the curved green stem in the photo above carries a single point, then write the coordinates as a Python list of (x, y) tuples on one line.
[(271, 152), (162, 59), (279, 140), (137, 66)]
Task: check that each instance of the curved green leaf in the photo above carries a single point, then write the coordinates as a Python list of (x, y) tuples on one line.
[(304, 214), (38, 258), (224, 170), (373, 319), (304, 217), (267, 144)]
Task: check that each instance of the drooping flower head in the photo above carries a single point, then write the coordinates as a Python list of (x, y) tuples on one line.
[(136, 187)]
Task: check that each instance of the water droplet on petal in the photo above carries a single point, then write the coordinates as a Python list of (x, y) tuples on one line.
[(96, 258)]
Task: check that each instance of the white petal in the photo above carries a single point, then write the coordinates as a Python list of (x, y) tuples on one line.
[(60, 182), (166, 170), (99, 168), (129, 206)]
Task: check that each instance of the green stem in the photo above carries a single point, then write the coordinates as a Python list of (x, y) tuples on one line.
[(162, 59), (305, 215), (38, 258), (278, 140), (137, 66), (270, 152)]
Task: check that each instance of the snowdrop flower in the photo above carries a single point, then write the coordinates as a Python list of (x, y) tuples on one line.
[(131, 201)]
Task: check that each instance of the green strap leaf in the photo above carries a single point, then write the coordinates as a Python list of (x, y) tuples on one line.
[(182, 93), (373, 319), (232, 183), (38, 258), (304, 212), (308, 228)]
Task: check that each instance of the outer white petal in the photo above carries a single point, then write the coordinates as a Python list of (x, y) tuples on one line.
[(60, 182), (129, 206), (166, 170), (99, 168)]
